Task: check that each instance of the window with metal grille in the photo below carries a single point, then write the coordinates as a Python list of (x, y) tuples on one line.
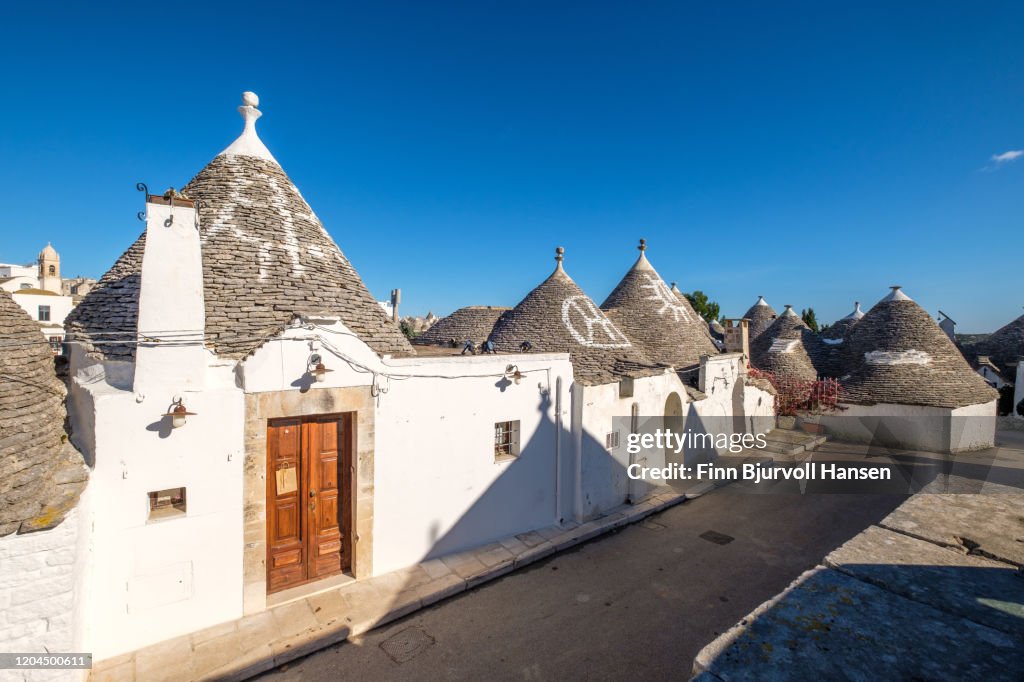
[(611, 440), (44, 313), (506, 439)]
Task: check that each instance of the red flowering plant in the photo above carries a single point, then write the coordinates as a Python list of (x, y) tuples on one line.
[(795, 396)]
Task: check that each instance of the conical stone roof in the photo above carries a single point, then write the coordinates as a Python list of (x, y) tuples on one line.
[(41, 474), (473, 322), (661, 323), (761, 316), (898, 354), (1006, 345), (842, 326), (787, 348), (557, 317), (266, 257)]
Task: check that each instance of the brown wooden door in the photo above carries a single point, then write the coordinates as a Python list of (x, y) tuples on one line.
[(308, 499)]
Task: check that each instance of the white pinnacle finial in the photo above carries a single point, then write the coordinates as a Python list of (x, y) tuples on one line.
[(249, 143), (896, 294)]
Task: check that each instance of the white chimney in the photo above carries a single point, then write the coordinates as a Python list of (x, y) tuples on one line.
[(172, 318)]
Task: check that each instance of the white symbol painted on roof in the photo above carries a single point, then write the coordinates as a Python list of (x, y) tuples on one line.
[(668, 300), (783, 346), (580, 311), (898, 357)]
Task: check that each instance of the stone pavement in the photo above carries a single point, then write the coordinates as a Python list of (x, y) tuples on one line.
[(934, 591), (242, 648)]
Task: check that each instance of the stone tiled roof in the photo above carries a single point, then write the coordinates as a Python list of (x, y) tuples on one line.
[(1005, 345), (761, 316), (661, 323), (842, 326), (41, 474), (557, 317), (838, 329), (898, 354), (266, 257), (787, 348), (473, 322), (109, 314)]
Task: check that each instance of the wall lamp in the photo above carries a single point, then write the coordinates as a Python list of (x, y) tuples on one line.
[(512, 372), (315, 366), (179, 414)]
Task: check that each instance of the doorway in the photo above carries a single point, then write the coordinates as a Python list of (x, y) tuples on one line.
[(309, 499)]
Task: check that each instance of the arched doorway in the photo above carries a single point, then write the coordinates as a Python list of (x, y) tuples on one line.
[(672, 420)]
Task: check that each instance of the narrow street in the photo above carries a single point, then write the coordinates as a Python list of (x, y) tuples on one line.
[(638, 603)]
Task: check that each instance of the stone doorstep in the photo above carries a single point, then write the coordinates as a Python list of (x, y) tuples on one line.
[(254, 644)]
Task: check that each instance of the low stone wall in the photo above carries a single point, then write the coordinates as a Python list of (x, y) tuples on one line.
[(36, 594)]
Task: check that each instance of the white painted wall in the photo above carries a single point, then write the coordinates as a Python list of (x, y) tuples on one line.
[(12, 270), (171, 304), (437, 486), (60, 306), (18, 282), (603, 483), (150, 581), (730, 406), (991, 377), (915, 427), (37, 589)]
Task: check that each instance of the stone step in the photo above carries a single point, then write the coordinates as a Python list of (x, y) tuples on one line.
[(788, 435), (782, 448)]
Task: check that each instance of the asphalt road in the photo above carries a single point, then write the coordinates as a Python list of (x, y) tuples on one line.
[(638, 603)]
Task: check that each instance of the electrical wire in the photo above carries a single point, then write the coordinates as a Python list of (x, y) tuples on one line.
[(184, 338)]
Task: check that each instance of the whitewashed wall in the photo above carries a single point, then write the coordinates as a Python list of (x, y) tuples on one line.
[(60, 306), (150, 581), (37, 589), (601, 477), (16, 282), (991, 377), (729, 399), (915, 427), (438, 488)]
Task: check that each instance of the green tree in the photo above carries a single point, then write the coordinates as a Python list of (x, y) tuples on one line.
[(809, 319), (407, 330), (709, 310)]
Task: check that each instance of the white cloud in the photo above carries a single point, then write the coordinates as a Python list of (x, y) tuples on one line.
[(1007, 157)]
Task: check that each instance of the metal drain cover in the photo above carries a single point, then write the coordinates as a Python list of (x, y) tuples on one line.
[(717, 538), (407, 644)]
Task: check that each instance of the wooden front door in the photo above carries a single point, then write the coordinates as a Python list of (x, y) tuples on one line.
[(308, 499)]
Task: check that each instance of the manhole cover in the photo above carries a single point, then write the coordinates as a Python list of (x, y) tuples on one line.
[(717, 538), (407, 644), (652, 525)]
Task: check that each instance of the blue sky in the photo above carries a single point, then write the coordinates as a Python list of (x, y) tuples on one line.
[(811, 152)]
